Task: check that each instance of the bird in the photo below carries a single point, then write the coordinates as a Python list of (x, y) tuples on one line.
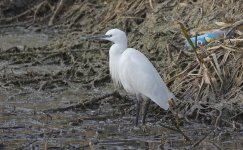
[(133, 70)]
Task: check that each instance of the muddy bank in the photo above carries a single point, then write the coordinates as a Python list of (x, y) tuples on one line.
[(56, 92)]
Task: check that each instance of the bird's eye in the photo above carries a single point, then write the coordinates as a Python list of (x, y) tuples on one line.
[(199, 43), (110, 35)]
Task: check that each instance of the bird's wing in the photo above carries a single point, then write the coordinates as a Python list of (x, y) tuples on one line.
[(138, 75)]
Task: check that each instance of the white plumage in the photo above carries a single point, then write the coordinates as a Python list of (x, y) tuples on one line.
[(135, 72), (138, 76)]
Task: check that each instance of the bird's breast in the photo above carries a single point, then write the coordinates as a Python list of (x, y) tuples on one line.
[(114, 70)]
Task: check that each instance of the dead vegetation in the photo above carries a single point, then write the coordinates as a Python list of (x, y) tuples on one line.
[(209, 90), (213, 89)]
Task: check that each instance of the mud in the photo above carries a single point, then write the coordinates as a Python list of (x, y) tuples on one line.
[(56, 92)]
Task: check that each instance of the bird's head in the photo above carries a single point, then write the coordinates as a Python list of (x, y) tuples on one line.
[(114, 35)]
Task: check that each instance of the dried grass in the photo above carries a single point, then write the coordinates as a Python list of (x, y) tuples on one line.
[(212, 90)]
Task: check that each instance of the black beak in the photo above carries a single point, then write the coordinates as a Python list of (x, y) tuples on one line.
[(96, 37)]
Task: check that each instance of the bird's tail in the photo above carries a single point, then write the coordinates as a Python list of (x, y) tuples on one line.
[(163, 101)]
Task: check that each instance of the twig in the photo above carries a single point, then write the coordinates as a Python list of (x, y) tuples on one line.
[(181, 74), (15, 17), (34, 9), (218, 118), (85, 103), (6, 54), (26, 145), (199, 141), (240, 113), (177, 129), (28, 53), (216, 145), (59, 8), (14, 127), (234, 26), (40, 5), (194, 47), (151, 4), (29, 80)]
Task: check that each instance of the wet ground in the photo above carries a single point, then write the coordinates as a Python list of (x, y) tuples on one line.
[(56, 93), (25, 124)]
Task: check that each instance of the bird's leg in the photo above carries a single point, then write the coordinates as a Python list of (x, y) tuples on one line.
[(147, 103), (138, 96)]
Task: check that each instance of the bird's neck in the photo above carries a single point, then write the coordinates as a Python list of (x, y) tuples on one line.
[(117, 48), (115, 53)]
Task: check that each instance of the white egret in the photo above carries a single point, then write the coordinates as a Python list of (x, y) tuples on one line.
[(135, 72)]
